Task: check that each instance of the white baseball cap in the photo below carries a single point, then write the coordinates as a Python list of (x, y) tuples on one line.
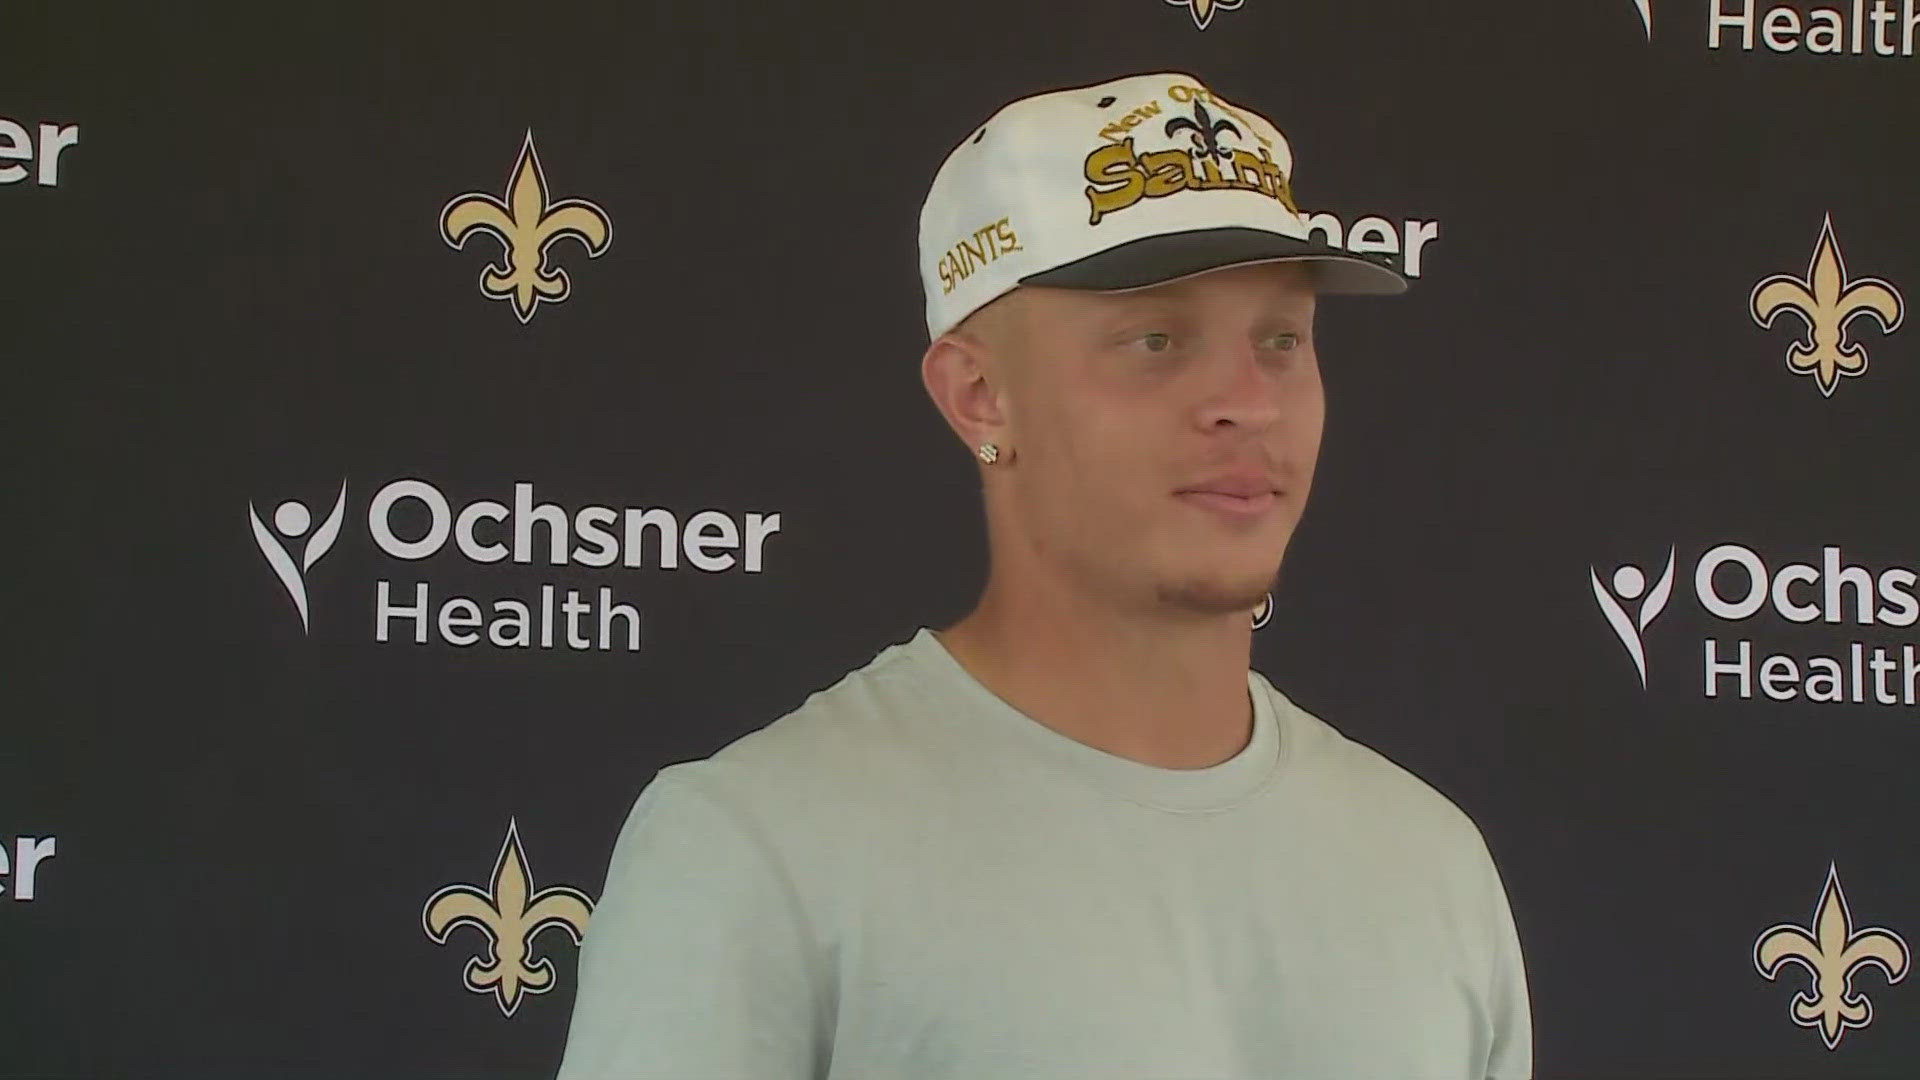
[(1121, 185)]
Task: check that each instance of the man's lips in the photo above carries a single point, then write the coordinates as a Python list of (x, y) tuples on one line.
[(1237, 496), (1243, 484)]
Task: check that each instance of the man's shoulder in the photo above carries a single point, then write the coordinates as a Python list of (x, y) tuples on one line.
[(1376, 791), (860, 725)]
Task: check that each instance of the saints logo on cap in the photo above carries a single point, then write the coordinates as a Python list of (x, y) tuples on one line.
[(1076, 189), (1118, 176)]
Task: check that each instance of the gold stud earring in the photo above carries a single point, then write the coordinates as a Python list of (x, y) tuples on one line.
[(989, 453)]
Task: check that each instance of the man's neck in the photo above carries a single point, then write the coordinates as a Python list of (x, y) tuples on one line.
[(1167, 694)]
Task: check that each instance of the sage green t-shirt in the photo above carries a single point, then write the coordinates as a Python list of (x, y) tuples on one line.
[(905, 878)]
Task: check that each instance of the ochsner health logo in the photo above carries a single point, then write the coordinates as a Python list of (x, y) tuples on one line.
[(1864, 28), (291, 520), (592, 551), (1757, 602)]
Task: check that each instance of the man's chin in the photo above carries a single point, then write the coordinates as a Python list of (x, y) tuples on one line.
[(1216, 597)]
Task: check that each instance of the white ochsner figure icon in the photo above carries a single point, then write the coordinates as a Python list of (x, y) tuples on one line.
[(291, 519), (1630, 584)]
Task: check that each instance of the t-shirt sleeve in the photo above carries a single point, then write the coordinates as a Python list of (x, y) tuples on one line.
[(1511, 1055), (697, 960)]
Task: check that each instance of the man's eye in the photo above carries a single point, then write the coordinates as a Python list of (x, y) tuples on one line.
[(1287, 340), (1156, 342)]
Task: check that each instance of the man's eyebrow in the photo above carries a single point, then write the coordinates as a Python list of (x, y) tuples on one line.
[(1140, 310), (1128, 304)]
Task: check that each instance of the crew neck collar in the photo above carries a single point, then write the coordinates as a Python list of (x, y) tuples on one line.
[(1216, 787)]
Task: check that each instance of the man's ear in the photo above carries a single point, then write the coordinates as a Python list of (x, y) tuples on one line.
[(964, 376)]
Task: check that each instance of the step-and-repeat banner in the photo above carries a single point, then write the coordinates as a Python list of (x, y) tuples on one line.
[(427, 424)]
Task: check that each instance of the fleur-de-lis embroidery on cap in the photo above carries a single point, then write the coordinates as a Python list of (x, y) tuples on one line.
[(1206, 131)]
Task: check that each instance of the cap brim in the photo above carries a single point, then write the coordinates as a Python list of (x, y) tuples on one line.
[(1156, 260)]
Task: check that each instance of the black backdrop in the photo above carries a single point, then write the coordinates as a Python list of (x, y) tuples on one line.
[(230, 290)]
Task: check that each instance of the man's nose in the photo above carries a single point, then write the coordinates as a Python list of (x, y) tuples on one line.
[(1244, 390)]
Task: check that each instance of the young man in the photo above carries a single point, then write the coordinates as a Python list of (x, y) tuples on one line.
[(1074, 835)]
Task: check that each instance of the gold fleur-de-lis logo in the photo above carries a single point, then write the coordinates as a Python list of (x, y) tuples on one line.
[(511, 915), (1202, 10), (526, 224), (1832, 950), (1827, 300)]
